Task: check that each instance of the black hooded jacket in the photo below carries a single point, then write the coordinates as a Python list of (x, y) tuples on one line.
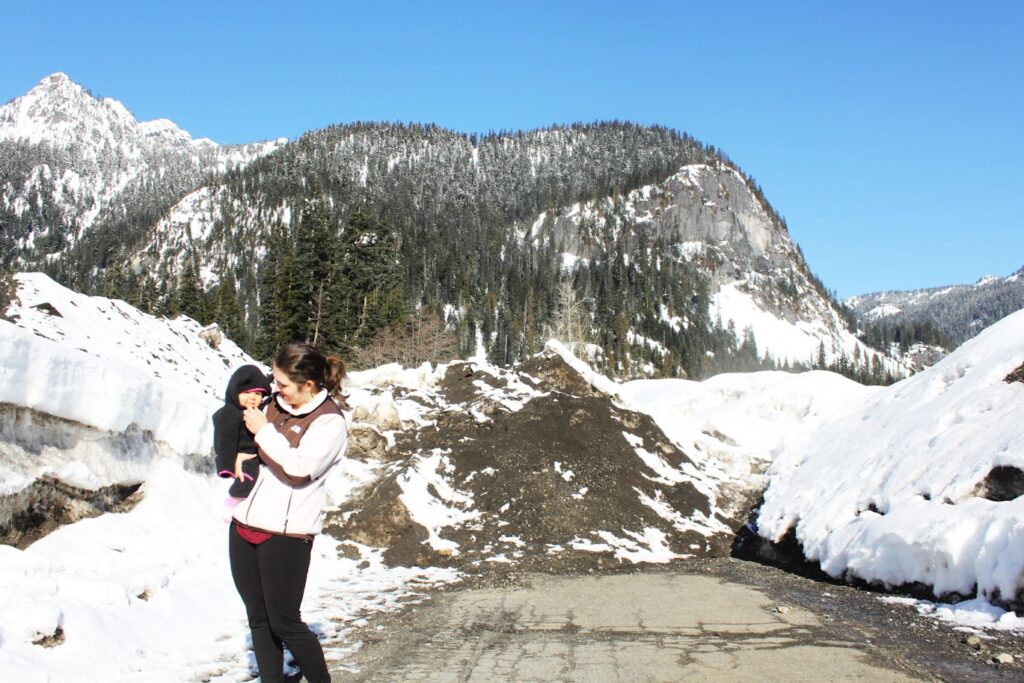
[(230, 435)]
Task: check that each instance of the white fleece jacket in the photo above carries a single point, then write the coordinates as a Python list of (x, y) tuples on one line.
[(274, 504)]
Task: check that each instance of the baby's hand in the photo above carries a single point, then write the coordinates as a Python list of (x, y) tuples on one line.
[(254, 419), (239, 459)]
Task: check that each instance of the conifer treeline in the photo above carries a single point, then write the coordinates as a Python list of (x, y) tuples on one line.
[(352, 229)]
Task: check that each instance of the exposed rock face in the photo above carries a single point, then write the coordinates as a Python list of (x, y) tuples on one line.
[(708, 217), (1002, 483), (538, 468), (365, 442), (48, 504), (1016, 376), (710, 213)]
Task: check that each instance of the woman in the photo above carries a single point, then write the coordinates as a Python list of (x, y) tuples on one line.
[(300, 439)]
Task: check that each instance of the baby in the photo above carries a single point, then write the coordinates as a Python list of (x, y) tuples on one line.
[(247, 388)]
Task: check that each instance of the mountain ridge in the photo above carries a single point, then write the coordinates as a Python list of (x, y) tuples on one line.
[(646, 281), (957, 311)]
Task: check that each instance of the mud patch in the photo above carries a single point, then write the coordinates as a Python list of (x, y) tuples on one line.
[(53, 640), (48, 504)]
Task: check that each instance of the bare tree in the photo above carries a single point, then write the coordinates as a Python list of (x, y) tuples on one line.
[(570, 319), (425, 338)]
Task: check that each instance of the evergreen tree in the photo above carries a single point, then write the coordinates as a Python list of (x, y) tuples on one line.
[(366, 292), (317, 260), (190, 299), (229, 314)]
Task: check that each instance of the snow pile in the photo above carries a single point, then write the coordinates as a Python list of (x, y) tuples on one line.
[(571, 463), (147, 595), (892, 492), (970, 615), (107, 395), (168, 349), (107, 366), (731, 423), (87, 385)]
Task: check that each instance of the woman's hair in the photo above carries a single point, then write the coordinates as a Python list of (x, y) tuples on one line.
[(302, 363)]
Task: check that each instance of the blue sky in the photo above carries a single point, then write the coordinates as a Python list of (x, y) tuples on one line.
[(888, 134)]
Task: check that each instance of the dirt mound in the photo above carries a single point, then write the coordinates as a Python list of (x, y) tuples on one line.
[(536, 468)]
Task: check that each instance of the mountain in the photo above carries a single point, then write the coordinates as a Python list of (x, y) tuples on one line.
[(654, 251), (958, 312), (73, 165), (662, 241)]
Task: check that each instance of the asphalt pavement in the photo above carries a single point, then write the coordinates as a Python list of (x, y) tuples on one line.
[(625, 628)]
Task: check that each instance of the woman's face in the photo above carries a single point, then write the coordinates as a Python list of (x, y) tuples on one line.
[(293, 394)]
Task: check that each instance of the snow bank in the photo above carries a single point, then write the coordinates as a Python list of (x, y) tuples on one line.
[(147, 595), (101, 393), (168, 349), (103, 364), (730, 424), (886, 493), (743, 417)]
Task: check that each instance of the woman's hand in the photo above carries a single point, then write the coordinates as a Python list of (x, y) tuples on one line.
[(254, 419), (239, 459)]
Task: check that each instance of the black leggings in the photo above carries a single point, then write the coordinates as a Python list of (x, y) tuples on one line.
[(271, 577)]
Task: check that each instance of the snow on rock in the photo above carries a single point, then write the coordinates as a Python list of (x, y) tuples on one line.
[(795, 341), (420, 484), (93, 158), (893, 492)]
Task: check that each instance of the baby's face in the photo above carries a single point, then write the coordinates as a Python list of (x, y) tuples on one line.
[(250, 399)]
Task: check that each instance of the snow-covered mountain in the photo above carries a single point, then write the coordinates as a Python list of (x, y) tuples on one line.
[(71, 161), (665, 239), (705, 217), (957, 311), (710, 217)]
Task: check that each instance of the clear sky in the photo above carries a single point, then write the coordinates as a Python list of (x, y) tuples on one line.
[(889, 134)]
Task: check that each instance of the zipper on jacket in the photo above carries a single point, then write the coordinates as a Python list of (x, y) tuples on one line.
[(252, 497), (288, 510)]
